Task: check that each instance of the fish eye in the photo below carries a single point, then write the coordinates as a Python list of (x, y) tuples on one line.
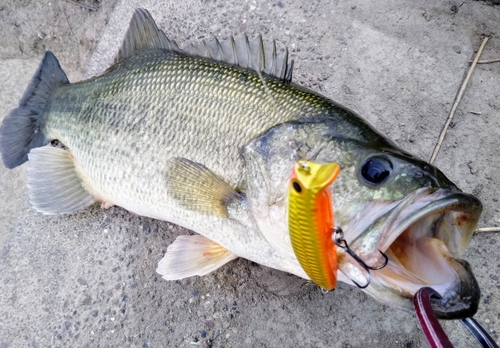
[(297, 187), (376, 169)]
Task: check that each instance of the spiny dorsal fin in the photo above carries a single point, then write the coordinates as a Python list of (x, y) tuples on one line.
[(254, 55), (143, 34)]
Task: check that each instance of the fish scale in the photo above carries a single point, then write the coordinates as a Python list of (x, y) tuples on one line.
[(161, 106)]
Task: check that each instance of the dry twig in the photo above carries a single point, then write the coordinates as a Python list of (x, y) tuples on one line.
[(488, 61), (488, 229), (67, 20), (457, 101)]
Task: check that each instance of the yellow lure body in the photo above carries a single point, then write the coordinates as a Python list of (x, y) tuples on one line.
[(311, 220)]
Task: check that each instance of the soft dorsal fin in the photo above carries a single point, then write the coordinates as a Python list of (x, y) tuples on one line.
[(143, 34)]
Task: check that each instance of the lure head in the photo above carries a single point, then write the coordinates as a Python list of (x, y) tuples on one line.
[(310, 220), (313, 177)]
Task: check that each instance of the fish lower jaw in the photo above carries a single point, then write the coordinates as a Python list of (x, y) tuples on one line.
[(460, 293), (425, 254)]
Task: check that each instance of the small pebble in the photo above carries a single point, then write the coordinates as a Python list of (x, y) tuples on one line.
[(94, 313), (473, 168)]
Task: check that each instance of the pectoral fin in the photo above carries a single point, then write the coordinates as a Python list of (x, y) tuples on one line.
[(188, 256), (197, 188), (54, 186)]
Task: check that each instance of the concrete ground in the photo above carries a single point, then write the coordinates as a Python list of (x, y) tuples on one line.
[(88, 279)]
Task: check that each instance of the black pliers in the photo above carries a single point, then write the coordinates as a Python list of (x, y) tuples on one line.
[(434, 333)]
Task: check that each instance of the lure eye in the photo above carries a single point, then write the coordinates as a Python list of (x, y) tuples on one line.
[(297, 187), (376, 170)]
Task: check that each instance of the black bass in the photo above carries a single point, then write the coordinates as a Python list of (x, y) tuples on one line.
[(204, 137)]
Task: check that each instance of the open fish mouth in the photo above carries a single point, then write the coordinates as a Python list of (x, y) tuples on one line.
[(423, 235)]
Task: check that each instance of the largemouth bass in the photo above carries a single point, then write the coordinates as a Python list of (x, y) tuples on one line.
[(204, 138)]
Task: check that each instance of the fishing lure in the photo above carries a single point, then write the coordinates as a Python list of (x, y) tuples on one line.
[(310, 220), (311, 226)]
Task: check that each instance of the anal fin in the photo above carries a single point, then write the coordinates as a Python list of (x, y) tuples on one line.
[(54, 186), (194, 255)]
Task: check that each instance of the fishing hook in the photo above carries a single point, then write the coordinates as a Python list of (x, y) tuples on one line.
[(316, 153), (338, 239)]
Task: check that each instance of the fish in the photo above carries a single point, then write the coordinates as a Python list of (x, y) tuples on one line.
[(204, 137), (311, 220)]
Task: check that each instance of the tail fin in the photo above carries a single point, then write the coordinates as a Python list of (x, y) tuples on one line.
[(22, 129)]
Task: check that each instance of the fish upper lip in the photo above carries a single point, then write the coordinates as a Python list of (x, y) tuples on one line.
[(439, 222), (441, 201), (396, 217)]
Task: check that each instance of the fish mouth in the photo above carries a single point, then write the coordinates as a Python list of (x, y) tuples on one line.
[(423, 236)]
